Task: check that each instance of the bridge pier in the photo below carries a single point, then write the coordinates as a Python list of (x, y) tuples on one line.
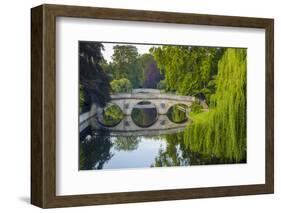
[(127, 101)]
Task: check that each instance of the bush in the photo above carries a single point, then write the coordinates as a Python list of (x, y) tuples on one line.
[(121, 85)]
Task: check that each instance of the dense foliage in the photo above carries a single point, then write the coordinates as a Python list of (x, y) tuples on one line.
[(121, 85), (188, 70), (94, 82), (222, 131), (177, 154), (94, 152), (140, 69), (150, 72), (126, 143), (126, 64)]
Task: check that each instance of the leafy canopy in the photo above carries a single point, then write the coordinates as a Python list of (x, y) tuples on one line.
[(188, 70), (93, 80), (121, 85), (222, 131)]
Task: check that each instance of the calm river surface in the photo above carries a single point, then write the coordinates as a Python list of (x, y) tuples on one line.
[(105, 152), (141, 140)]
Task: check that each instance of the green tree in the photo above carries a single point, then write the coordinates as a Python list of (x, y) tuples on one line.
[(151, 75), (121, 85), (126, 143), (221, 132), (109, 69), (188, 70), (93, 80), (177, 154), (93, 154), (126, 64)]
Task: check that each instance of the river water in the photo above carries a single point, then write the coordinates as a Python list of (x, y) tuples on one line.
[(148, 140), (143, 139)]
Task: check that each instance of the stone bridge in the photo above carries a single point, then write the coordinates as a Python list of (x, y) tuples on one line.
[(127, 127), (162, 101)]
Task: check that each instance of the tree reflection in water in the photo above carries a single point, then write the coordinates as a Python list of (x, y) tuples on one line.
[(111, 115), (99, 150), (94, 152), (126, 143), (178, 154), (174, 154), (144, 117), (178, 113), (217, 76)]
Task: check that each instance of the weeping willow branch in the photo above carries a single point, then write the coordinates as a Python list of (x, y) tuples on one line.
[(222, 131)]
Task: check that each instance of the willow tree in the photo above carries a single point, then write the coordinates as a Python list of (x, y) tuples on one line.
[(222, 131)]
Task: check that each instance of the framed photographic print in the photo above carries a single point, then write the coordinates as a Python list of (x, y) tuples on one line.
[(136, 106)]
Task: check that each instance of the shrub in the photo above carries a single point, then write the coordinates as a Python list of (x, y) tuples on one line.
[(121, 85)]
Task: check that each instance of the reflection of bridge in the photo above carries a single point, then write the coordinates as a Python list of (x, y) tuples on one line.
[(162, 101), (127, 127)]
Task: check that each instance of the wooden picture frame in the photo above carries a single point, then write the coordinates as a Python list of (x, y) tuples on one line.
[(43, 105)]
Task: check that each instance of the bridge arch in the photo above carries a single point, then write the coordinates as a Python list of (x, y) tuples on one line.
[(127, 127), (108, 119), (140, 110), (162, 101), (162, 106)]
